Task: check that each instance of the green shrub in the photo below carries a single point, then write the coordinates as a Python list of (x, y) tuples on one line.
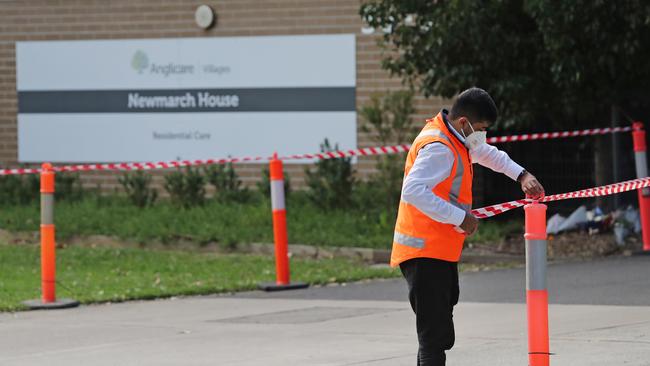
[(330, 185), (388, 120), (19, 189), (67, 186), (25, 189), (103, 198), (186, 187), (138, 190), (387, 182), (227, 185), (368, 197)]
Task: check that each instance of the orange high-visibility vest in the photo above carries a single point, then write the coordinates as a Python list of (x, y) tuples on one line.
[(418, 235)]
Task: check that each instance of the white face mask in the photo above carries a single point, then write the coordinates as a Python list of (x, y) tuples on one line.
[(475, 139)]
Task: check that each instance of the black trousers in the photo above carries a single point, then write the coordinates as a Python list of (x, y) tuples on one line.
[(433, 292)]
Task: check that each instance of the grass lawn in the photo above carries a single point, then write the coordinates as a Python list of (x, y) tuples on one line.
[(109, 274), (118, 274), (224, 223)]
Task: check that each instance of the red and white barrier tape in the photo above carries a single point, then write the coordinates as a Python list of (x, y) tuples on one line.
[(556, 135), (132, 166), (368, 151), (629, 185), (383, 150), (19, 171)]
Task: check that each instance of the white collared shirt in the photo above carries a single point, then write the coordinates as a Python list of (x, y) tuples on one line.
[(433, 164)]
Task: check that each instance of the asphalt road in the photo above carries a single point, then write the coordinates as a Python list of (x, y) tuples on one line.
[(592, 321), (610, 281)]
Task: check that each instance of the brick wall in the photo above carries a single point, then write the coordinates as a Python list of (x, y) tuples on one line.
[(117, 19)]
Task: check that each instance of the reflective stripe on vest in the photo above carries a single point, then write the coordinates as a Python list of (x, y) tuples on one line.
[(408, 240), (458, 178)]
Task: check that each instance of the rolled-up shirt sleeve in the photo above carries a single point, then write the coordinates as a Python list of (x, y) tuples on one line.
[(497, 160), (432, 165)]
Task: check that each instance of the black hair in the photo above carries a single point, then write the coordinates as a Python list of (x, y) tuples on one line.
[(476, 105)]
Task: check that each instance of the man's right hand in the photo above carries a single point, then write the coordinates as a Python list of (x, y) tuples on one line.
[(470, 224)]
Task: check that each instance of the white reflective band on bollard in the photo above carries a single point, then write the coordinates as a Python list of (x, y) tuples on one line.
[(47, 208), (277, 195), (535, 264), (641, 163)]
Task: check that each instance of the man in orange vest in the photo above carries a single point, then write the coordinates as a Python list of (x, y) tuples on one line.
[(434, 212)]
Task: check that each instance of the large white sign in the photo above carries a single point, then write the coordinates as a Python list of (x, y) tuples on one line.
[(198, 98)]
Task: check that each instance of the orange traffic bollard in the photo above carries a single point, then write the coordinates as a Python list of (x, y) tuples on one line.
[(640, 158), (279, 222), (48, 248), (280, 236), (536, 292)]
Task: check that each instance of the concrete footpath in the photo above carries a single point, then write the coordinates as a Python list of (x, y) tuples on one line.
[(600, 315)]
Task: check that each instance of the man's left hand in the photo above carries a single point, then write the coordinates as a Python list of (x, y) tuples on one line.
[(531, 187)]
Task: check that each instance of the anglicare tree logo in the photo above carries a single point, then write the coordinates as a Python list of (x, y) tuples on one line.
[(140, 61)]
